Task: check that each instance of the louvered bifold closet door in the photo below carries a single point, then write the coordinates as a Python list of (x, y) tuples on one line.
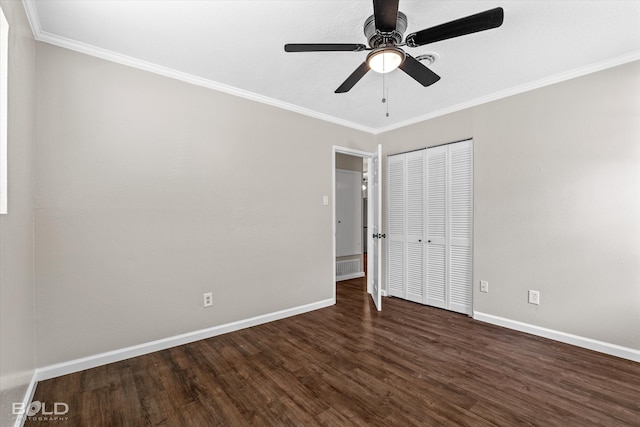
[(460, 179), (415, 185), (436, 233), (396, 230)]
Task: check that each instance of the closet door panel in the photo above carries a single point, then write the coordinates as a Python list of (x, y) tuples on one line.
[(460, 279), (436, 222), (460, 178), (396, 229), (415, 185), (436, 276), (415, 272), (436, 195), (396, 269)]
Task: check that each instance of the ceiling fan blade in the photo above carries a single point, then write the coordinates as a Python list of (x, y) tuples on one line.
[(418, 71), (324, 47), (353, 78), (385, 13), (470, 24)]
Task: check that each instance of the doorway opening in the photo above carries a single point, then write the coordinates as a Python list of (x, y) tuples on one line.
[(349, 217)]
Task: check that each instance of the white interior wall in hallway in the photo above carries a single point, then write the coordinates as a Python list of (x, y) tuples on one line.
[(350, 266), (348, 213)]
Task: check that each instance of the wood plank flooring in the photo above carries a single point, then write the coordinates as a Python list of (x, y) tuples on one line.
[(351, 365)]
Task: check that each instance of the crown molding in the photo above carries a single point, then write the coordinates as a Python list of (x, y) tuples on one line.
[(547, 81), (87, 49), (32, 17), (43, 36)]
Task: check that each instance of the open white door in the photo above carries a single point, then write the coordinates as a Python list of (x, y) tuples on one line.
[(374, 238)]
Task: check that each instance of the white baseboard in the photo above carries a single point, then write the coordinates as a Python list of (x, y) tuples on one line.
[(94, 361), (588, 343), (350, 276)]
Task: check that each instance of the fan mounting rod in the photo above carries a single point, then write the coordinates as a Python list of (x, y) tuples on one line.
[(377, 38)]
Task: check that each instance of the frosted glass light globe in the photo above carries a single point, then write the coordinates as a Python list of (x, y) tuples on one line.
[(385, 60)]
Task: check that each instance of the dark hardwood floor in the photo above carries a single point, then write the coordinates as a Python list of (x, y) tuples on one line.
[(351, 365)]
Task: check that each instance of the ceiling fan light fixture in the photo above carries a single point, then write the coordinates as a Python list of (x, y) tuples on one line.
[(385, 59)]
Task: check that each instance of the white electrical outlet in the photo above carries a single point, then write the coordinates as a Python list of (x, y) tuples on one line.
[(207, 299), (534, 297), (484, 286)]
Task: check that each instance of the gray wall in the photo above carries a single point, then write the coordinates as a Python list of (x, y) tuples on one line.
[(557, 202), (17, 309), (348, 162), (151, 191)]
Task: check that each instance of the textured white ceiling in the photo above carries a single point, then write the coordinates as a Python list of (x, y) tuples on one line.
[(237, 46)]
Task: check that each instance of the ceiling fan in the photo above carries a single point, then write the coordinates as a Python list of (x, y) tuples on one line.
[(384, 31)]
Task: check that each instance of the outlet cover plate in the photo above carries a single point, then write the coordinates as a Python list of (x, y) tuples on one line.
[(534, 297), (484, 286), (207, 299)]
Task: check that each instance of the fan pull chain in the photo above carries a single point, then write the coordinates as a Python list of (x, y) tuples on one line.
[(383, 80), (385, 100), (385, 91)]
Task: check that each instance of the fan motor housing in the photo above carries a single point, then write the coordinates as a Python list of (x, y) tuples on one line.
[(377, 39)]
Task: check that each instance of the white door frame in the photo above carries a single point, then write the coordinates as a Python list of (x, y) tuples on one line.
[(352, 152)]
